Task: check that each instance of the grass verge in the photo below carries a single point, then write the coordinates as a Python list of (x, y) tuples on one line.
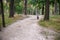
[(53, 23), (9, 21)]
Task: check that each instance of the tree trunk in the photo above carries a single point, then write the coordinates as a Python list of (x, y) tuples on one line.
[(2, 12), (59, 8), (43, 10), (0, 8), (46, 17), (11, 5), (25, 9), (55, 4)]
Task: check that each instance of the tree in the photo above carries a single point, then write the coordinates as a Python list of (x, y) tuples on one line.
[(0, 8), (55, 5), (43, 4), (46, 17), (52, 4), (2, 12), (11, 5), (25, 3), (59, 6), (43, 9)]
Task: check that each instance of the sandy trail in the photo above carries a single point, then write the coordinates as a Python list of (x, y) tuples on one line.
[(27, 29)]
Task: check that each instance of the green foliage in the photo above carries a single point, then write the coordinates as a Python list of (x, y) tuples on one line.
[(8, 0), (18, 9), (6, 7), (18, 6), (37, 3), (33, 2), (17, 1), (52, 2)]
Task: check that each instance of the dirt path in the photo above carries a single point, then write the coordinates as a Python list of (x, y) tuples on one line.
[(27, 29)]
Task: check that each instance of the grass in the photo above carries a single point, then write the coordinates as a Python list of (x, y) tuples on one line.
[(57, 37), (9, 21), (53, 23), (0, 20)]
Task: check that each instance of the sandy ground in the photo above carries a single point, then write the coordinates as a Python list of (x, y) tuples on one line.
[(27, 29)]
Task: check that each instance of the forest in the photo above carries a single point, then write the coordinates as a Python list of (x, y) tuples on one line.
[(12, 11)]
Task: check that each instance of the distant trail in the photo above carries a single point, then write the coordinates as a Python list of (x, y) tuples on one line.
[(27, 29)]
